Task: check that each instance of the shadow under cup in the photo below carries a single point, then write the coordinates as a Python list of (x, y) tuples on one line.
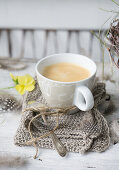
[(65, 94)]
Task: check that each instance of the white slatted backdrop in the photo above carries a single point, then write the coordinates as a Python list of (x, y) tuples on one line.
[(40, 43)]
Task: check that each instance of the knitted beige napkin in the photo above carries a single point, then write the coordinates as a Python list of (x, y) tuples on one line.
[(79, 131)]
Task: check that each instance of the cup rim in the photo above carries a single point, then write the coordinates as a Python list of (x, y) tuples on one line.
[(61, 82)]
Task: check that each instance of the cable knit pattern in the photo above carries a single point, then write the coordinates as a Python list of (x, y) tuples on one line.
[(79, 131)]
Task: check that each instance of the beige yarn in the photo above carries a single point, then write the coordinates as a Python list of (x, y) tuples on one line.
[(78, 131)]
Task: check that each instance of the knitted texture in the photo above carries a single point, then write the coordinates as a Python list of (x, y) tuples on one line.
[(79, 131)]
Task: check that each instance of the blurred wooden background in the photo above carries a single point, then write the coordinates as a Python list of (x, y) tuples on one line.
[(36, 28)]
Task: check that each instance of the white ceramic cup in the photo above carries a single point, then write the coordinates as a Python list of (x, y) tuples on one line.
[(65, 94)]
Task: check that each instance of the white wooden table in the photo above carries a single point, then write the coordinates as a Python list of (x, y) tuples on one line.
[(107, 160)]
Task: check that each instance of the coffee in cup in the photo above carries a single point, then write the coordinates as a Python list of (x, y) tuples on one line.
[(66, 72)]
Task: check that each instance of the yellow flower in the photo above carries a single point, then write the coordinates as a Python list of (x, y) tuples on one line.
[(23, 83)]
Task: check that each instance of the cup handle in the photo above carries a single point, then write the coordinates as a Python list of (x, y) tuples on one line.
[(83, 98)]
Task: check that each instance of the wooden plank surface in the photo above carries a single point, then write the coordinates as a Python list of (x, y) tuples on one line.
[(107, 160)]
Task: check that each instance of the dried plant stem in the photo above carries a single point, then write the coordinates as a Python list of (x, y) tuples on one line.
[(115, 2), (103, 65), (103, 45), (112, 11), (97, 37), (111, 66)]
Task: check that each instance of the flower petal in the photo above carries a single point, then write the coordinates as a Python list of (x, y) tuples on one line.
[(21, 80), (20, 89), (29, 87), (14, 78), (25, 80), (30, 80)]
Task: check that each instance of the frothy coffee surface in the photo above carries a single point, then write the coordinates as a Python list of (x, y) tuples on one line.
[(66, 72)]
